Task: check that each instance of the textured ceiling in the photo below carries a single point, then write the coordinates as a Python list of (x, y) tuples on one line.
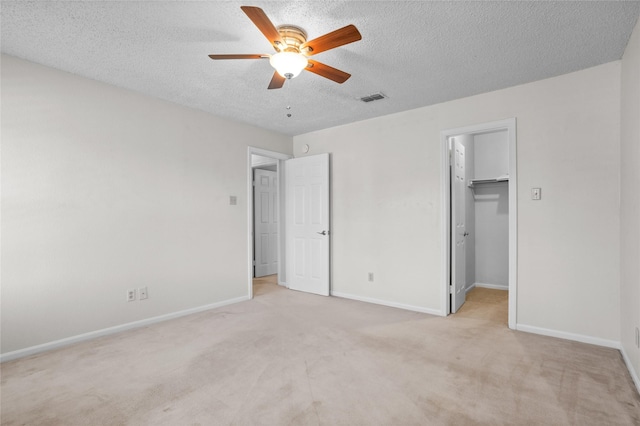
[(416, 52)]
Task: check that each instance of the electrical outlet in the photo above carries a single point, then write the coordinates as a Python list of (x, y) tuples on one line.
[(370, 277), (131, 295), (142, 291)]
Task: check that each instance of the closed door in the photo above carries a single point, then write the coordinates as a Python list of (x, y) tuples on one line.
[(265, 229), (307, 217), (458, 227)]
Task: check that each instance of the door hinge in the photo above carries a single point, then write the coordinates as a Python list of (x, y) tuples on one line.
[(254, 183), (254, 263), (450, 287)]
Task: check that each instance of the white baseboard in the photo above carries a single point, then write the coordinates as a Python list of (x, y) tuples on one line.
[(471, 287), (493, 286), (569, 336), (634, 374), (390, 304), (112, 330)]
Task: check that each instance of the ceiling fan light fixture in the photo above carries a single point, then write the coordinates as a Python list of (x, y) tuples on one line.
[(292, 47), (288, 64)]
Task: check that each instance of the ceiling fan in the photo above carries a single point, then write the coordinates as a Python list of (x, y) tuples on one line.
[(293, 49)]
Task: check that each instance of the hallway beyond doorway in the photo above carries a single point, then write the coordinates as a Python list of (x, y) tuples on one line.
[(262, 285)]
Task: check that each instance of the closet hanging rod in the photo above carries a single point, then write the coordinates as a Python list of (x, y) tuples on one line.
[(473, 182)]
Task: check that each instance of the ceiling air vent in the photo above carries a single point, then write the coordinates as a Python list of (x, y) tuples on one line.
[(374, 97)]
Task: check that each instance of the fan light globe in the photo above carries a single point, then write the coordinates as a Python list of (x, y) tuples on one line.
[(288, 64)]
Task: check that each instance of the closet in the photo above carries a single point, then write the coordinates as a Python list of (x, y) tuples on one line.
[(479, 188), (488, 210), (479, 221)]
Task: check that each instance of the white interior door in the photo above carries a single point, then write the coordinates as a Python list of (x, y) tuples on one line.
[(265, 229), (458, 227), (307, 218)]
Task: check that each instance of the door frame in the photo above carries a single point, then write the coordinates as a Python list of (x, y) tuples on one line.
[(510, 126), (280, 157)]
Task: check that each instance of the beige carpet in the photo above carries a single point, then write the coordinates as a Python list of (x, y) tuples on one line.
[(487, 304), (289, 358)]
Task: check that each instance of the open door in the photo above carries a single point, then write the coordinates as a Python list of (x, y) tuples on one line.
[(307, 229), (458, 227)]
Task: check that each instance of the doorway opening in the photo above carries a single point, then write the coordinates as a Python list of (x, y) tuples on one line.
[(265, 212), (303, 219), (480, 213)]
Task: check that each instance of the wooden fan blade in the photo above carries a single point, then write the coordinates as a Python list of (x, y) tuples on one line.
[(238, 56), (277, 81), (334, 39), (327, 72), (264, 24)]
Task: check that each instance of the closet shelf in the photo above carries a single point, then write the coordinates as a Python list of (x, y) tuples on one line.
[(474, 182)]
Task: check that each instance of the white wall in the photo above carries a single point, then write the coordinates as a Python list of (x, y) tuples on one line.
[(104, 190), (387, 200), (491, 206), (630, 202), (385, 208)]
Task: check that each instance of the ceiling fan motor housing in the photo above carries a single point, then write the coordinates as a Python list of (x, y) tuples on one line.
[(293, 37)]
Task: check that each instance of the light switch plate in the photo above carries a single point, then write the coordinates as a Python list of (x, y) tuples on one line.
[(233, 200), (536, 193)]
